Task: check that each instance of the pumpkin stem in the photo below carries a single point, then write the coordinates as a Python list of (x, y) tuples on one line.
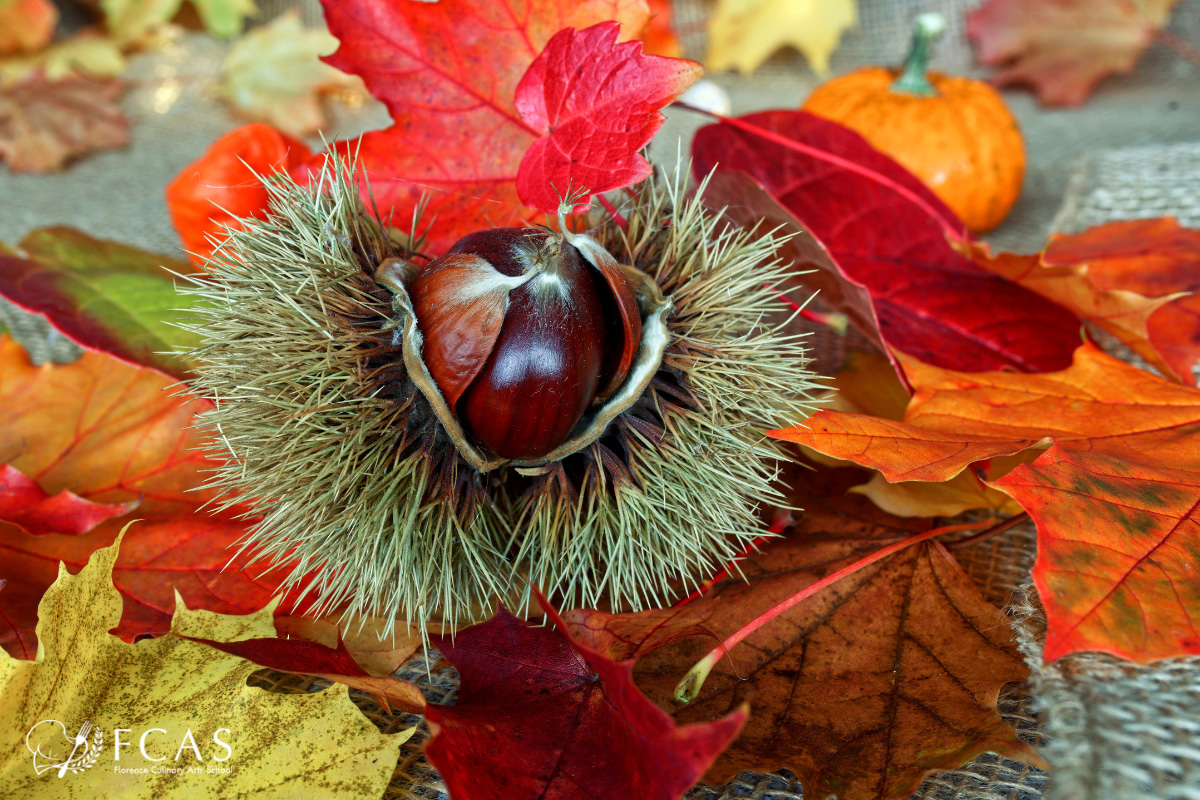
[(913, 79)]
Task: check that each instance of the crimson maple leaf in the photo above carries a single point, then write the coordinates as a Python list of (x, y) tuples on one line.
[(541, 715)]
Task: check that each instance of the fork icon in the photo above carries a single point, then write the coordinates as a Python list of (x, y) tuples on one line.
[(80, 739)]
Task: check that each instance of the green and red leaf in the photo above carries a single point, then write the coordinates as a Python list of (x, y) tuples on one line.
[(105, 296)]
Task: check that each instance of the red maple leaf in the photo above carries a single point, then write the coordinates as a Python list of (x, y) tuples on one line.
[(541, 715), (23, 503), (890, 234), (598, 103), (448, 73)]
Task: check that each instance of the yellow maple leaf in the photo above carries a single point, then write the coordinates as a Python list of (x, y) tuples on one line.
[(742, 34), (188, 725), (274, 74)]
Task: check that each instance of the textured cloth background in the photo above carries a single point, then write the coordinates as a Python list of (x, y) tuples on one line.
[(1112, 730)]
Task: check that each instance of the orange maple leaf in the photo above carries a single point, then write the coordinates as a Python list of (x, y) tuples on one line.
[(1150, 257), (1109, 428), (1123, 313)]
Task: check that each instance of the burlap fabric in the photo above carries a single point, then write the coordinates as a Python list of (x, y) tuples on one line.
[(1111, 730)]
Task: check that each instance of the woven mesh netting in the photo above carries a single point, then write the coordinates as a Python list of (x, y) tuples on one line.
[(1112, 730)]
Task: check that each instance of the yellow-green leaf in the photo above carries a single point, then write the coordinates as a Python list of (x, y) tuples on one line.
[(252, 742), (85, 53), (275, 73), (129, 20)]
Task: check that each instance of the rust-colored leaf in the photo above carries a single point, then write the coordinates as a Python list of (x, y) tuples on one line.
[(1151, 257), (114, 434), (861, 689), (44, 123)]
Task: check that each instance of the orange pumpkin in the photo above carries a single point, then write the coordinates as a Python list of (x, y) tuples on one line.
[(953, 133)]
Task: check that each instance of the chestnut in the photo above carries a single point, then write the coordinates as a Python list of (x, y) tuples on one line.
[(524, 329)]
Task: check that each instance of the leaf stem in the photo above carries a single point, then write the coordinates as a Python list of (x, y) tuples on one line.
[(953, 231), (1182, 48), (689, 687), (995, 530), (612, 212), (776, 528)]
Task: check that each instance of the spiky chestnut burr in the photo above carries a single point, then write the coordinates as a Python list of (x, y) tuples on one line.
[(335, 433), (523, 331)]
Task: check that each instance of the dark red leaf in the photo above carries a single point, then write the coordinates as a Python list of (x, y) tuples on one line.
[(24, 504), (889, 233), (540, 715)]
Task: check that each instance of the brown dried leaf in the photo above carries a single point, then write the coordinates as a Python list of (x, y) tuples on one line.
[(45, 123), (861, 689)]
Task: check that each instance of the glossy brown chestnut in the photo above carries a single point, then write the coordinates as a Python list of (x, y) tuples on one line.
[(522, 332)]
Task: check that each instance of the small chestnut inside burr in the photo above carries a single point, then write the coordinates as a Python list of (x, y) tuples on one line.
[(523, 331)]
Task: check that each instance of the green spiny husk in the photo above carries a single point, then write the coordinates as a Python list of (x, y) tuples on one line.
[(323, 435)]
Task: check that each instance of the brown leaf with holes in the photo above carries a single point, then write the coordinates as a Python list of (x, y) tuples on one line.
[(44, 124), (862, 689)]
